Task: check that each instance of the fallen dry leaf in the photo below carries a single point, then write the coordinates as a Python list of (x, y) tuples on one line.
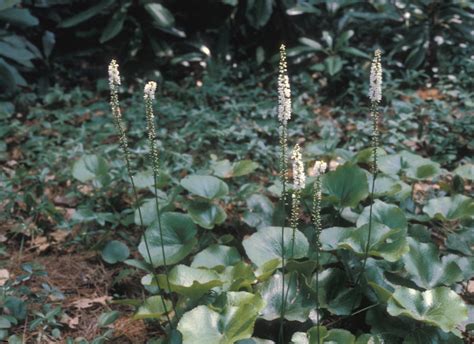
[(87, 303), (470, 287), (60, 235), (4, 276)]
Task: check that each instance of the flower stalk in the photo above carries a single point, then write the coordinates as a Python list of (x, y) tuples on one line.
[(318, 170), (375, 96), (284, 115), (149, 96), (114, 84)]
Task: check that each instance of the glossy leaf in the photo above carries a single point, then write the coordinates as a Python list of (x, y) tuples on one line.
[(216, 255), (298, 305), (179, 238), (266, 245), (206, 214), (346, 186), (208, 187), (153, 308), (386, 243), (115, 251), (204, 325), (187, 281), (425, 267), (440, 307), (450, 208)]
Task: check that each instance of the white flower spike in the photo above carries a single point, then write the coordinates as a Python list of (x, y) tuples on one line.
[(114, 75), (149, 90), (298, 169), (375, 91), (319, 168), (284, 90)]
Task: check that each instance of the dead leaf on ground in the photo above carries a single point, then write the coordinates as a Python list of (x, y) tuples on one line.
[(60, 235), (40, 243), (470, 287), (71, 322), (87, 303), (4, 276)]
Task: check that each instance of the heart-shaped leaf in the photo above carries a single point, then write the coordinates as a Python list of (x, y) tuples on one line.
[(414, 166), (333, 292), (266, 245), (91, 167), (207, 187), (115, 251), (216, 255), (153, 308), (237, 277), (178, 231), (334, 336), (203, 325), (298, 304), (450, 208), (187, 281), (426, 269), (206, 214), (465, 171), (439, 307), (387, 243), (346, 186), (385, 214), (259, 211)]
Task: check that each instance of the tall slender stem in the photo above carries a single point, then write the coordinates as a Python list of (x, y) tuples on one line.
[(149, 92), (375, 95), (284, 177), (318, 169), (114, 82)]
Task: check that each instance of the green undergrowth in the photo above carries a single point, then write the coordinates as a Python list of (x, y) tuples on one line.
[(218, 193)]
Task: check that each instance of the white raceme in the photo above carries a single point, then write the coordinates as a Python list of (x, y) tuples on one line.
[(284, 90), (375, 91), (114, 75), (299, 177), (149, 90), (319, 168)]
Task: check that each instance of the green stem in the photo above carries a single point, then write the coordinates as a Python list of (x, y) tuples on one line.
[(158, 214), (147, 247), (124, 146), (283, 173), (367, 246)]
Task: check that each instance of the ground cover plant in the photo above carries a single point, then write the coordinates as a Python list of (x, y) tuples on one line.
[(244, 204)]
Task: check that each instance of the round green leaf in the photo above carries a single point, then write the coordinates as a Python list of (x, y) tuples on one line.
[(107, 318), (91, 167), (148, 209), (414, 166), (187, 281), (216, 255), (179, 238), (383, 213), (465, 171), (259, 211), (206, 214), (387, 243), (450, 208), (243, 167), (153, 308), (346, 186), (425, 267), (266, 245), (208, 187), (298, 303), (439, 307), (115, 251), (203, 325)]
